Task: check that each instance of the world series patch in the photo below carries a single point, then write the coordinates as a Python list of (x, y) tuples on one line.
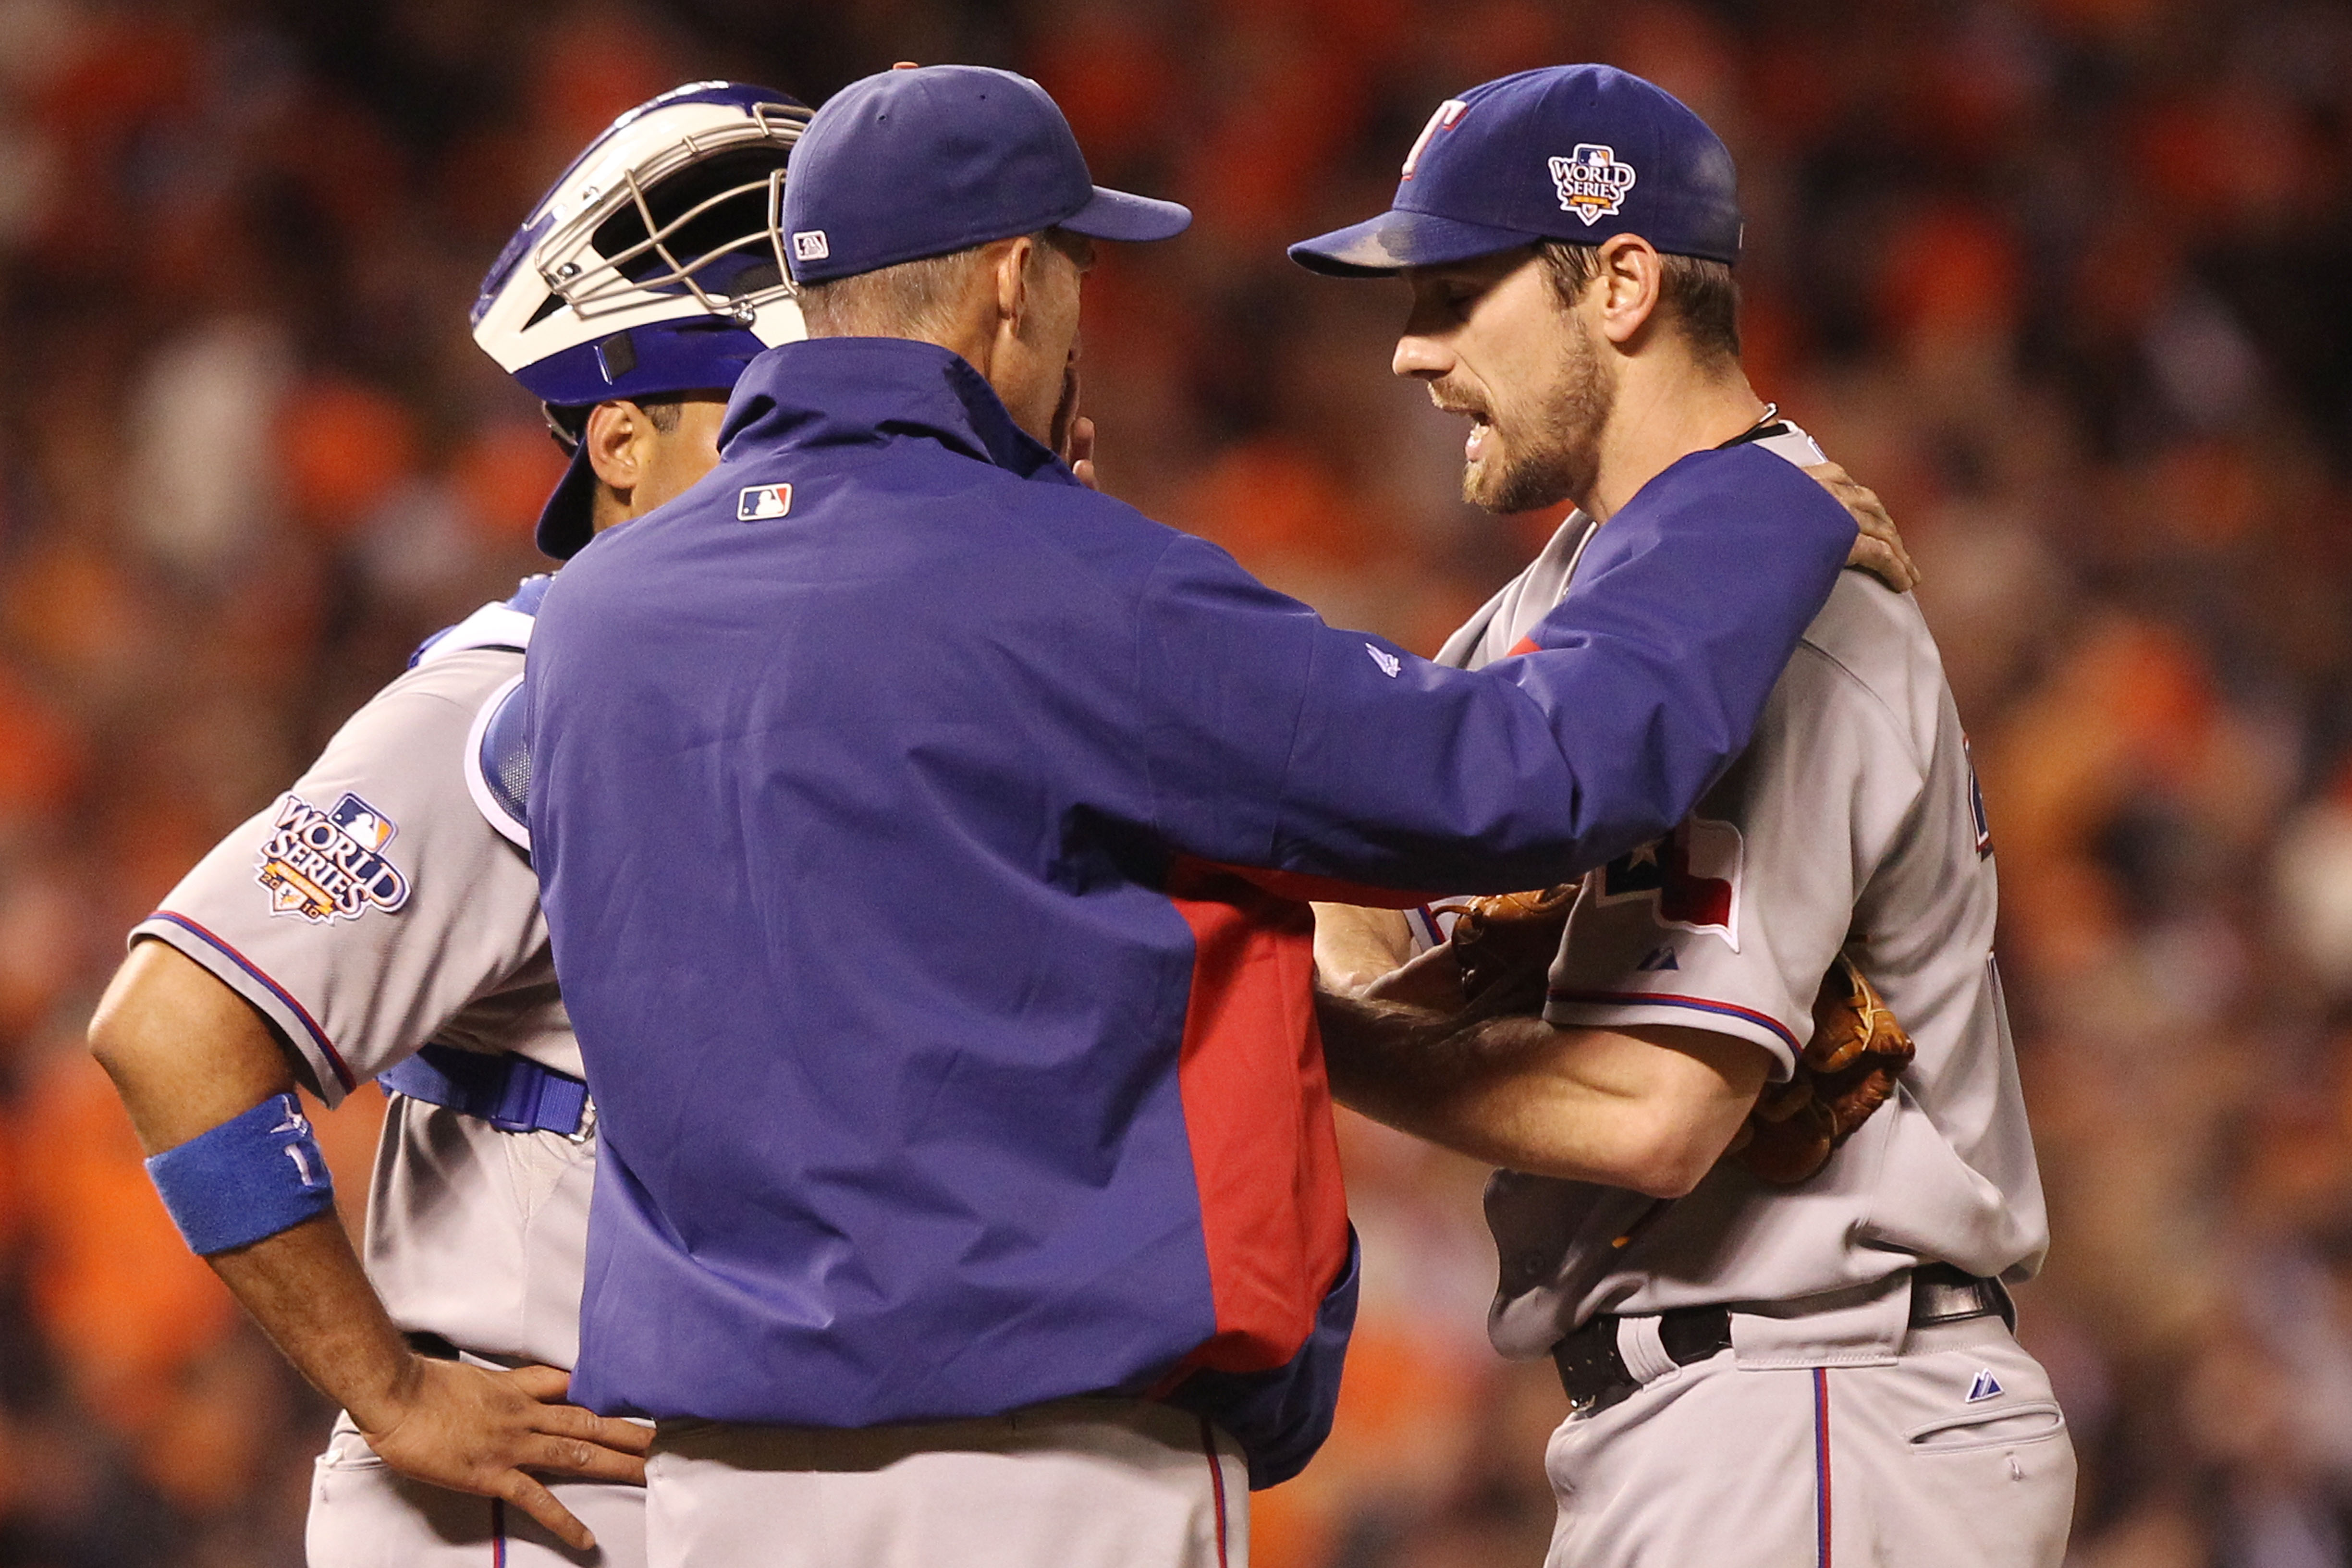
[(1591, 181), (326, 866)]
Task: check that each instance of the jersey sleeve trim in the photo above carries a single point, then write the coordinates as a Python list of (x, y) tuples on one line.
[(241, 974), (1616, 1007), (492, 625)]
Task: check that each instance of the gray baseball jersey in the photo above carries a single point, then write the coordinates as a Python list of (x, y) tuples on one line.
[(381, 905), (1853, 822)]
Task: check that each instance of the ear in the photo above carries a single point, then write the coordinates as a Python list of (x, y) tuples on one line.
[(615, 440), (1012, 267), (1624, 297)]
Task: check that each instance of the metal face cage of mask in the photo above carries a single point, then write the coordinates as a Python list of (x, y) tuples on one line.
[(703, 216)]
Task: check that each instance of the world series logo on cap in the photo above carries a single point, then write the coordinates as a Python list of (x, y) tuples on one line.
[(1591, 181)]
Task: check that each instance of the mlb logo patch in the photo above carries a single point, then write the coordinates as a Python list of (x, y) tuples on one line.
[(1591, 181), (810, 244), (759, 501)]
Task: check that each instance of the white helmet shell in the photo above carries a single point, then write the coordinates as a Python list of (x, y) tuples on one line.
[(654, 263)]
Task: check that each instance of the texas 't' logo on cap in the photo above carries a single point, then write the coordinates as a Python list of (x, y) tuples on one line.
[(1591, 181)]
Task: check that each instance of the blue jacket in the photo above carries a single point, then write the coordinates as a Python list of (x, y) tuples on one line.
[(887, 830)]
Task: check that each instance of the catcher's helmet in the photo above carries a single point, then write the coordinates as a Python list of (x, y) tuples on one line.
[(655, 265)]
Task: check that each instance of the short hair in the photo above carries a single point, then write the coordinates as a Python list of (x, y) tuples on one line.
[(1701, 297), (911, 298)]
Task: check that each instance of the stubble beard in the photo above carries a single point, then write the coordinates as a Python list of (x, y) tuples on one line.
[(1558, 457)]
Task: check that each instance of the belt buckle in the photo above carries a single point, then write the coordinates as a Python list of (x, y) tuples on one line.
[(1589, 1358), (1935, 1302)]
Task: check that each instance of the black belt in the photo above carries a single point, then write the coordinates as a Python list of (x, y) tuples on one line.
[(1595, 1375)]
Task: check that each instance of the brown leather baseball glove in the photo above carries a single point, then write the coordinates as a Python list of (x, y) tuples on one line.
[(1510, 940), (1846, 1071)]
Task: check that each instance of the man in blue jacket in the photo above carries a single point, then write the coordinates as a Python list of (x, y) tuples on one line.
[(920, 835)]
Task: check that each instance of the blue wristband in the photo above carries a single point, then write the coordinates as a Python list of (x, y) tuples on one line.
[(252, 1177)]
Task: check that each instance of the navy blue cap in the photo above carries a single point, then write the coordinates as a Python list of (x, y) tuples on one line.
[(1567, 153), (909, 164)]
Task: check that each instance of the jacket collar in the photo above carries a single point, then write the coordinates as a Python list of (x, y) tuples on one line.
[(851, 392)]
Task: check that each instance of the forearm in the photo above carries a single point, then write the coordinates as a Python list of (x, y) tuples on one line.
[(1475, 1086), (1650, 1109), (307, 1290), (187, 1054)]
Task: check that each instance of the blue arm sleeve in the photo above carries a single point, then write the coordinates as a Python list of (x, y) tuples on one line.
[(1279, 741)]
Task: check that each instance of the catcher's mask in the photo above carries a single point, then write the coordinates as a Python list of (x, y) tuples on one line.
[(654, 265)]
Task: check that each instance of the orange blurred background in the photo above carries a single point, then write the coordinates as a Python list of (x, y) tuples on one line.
[(2068, 281)]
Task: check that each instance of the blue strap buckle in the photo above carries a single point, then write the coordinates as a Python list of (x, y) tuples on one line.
[(512, 1093)]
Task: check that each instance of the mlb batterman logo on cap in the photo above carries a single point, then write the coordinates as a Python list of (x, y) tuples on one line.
[(1569, 153), (916, 162)]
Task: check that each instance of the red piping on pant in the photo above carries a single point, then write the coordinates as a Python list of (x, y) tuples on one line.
[(1216, 1483), (1822, 1461)]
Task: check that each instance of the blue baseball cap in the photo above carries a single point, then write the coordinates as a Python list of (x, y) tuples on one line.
[(909, 164), (1567, 153)]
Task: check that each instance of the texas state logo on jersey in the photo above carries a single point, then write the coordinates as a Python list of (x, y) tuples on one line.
[(1690, 879), (325, 866)]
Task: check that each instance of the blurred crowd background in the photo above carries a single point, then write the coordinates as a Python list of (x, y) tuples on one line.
[(2069, 281)]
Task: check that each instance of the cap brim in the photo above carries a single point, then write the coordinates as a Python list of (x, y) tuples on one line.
[(1398, 239), (568, 521), (1115, 215)]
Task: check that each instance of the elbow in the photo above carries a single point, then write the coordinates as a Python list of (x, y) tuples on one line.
[(104, 1037), (1668, 1176), (1667, 1153)]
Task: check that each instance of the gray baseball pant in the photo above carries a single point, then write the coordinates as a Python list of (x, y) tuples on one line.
[(365, 1514), (1078, 1483), (1915, 1463)]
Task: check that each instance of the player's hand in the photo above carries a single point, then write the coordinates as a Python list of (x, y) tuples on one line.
[(1879, 550), (473, 1430), (1074, 433), (1079, 451), (1431, 980)]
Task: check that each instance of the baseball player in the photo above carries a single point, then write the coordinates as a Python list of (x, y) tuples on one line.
[(968, 1190), (381, 919), (1760, 1374)]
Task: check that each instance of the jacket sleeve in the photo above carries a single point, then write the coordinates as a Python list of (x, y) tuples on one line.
[(1275, 741)]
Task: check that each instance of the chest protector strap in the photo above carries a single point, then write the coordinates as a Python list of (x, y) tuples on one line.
[(512, 1093)]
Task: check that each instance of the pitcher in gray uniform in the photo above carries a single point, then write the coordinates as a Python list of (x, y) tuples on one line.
[(381, 919), (1758, 1374)]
